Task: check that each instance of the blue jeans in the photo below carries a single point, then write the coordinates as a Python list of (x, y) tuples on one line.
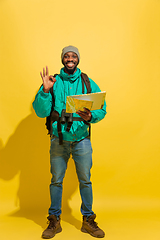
[(82, 156)]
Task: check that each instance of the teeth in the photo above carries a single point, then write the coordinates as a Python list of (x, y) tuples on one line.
[(70, 64)]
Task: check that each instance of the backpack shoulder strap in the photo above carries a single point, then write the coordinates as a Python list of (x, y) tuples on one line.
[(48, 119), (85, 80)]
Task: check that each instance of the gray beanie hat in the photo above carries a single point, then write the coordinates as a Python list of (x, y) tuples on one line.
[(70, 49)]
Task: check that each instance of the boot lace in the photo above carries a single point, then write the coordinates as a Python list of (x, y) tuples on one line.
[(93, 223), (51, 224)]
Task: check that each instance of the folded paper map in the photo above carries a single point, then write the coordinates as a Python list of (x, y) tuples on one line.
[(92, 101)]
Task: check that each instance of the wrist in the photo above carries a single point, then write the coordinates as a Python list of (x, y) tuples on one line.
[(45, 90), (90, 119)]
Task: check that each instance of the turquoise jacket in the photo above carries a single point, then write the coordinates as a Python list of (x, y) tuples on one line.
[(67, 85)]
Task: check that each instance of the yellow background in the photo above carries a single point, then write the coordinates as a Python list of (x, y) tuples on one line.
[(119, 44)]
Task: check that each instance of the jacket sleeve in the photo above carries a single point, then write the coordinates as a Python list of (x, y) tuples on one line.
[(42, 103), (97, 115)]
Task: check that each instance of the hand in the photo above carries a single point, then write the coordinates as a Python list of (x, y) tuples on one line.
[(86, 114), (48, 81)]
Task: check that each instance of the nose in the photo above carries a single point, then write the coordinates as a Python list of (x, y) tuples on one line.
[(70, 58)]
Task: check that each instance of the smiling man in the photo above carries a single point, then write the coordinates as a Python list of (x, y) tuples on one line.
[(66, 140), (70, 60)]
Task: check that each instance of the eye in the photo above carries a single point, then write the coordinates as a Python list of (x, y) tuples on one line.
[(65, 56)]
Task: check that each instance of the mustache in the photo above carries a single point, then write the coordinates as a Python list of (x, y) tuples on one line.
[(70, 62)]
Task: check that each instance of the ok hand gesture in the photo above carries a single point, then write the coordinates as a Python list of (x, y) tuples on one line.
[(48, 81)]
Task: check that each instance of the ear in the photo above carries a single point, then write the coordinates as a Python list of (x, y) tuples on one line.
[(62, 61)]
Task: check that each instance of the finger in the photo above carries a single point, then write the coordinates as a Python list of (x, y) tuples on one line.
[(41, 75), (44, 72), (86, 110), (51, 78), (81, 113), (82, 116), (47, 72)]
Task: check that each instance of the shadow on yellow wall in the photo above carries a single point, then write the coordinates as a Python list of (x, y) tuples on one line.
[(27, 151)]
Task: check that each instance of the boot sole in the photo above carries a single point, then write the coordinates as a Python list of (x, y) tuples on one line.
[(85, 231), (57, 231)]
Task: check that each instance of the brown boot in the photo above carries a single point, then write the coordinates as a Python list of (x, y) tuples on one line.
[(90, 226), (53, 227)]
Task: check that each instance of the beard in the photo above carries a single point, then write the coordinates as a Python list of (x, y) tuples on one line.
[(70, 70)]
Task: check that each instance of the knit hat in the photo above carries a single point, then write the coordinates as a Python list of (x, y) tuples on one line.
[(70, 49)]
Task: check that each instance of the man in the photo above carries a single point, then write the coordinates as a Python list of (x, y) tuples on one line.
[(75, 140)]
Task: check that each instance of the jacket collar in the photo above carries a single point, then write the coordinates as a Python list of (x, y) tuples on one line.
[(71, 77)]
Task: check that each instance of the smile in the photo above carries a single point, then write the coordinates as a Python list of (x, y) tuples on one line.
[(70, 64)]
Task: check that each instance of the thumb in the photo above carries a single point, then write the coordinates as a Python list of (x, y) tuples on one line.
[(51, 78)]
